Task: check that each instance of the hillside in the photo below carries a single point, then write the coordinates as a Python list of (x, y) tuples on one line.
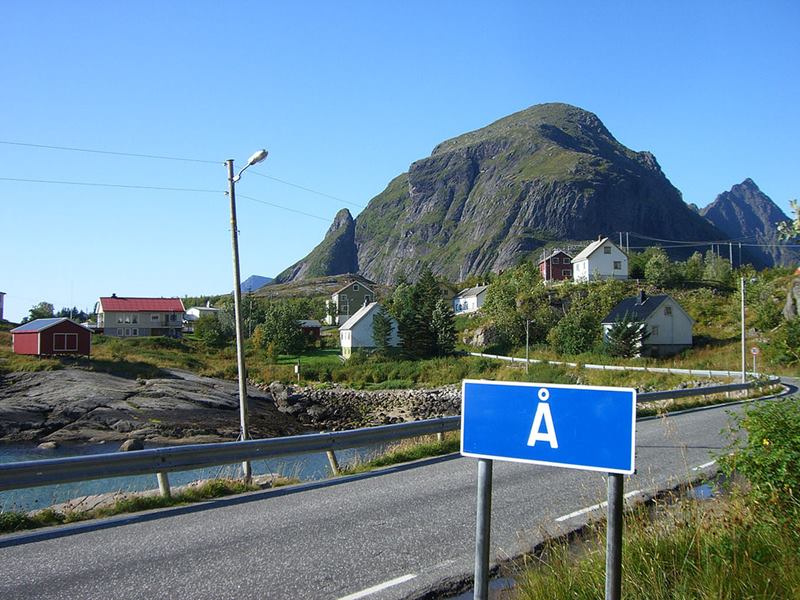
[(490, 198), (746, 213)]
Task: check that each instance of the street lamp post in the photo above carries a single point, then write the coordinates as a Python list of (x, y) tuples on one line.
[(744, 355), (237, 300)]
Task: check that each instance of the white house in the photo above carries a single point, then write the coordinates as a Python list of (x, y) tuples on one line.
[(356, 333), (469, 300), (346, 301), (195, 312), (668, 324), (601, 259), (119, 316)]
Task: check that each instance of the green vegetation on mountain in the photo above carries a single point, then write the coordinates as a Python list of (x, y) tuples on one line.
[(486, 200)]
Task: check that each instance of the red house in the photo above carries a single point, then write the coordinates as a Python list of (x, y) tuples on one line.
[(557, 266), (51, 337)]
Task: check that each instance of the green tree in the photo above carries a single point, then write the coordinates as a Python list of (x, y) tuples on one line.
[(281, 328), (659, 270), (785, 344), (693, 267), (625, 337), (791, 229), (382, 331), (72, 313), (717, 269), (576, 333), (211, 332), (43, 310), (444, 328)]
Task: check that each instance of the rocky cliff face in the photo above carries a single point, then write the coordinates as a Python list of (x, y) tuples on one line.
[(490, 198), (746, 213), (334, 255)]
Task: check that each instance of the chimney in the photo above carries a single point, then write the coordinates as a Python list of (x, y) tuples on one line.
[(641, 298), (113, 295)]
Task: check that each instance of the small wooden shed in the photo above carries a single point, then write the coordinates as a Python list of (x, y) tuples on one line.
[(51, 337)]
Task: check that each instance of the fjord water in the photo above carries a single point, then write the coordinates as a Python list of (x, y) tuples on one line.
[(306, 467)]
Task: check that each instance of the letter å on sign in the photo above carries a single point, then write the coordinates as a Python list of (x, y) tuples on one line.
[(578, 427)]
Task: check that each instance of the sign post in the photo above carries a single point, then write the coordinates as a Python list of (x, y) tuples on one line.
[(577, 427), (754, 351)]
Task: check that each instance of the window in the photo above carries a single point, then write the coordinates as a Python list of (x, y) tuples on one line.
[(172, 317), (617, 265), (65, 342), (654, 331), (367, 298), (556, 260), (606, 249), (120, 331), (127, 331), (135, 319), (344, 306), (127, 318), (567, 273), (355, 287), (134, 331), (667, 311), (154, 317), (119, 318)]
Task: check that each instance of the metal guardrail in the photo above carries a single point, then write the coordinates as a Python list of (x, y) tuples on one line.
[(671, 370), (181, 458)]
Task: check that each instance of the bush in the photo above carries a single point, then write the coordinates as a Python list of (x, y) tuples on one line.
[(769, 457)]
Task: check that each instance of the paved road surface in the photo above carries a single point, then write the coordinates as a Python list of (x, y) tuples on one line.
[(402, 532)]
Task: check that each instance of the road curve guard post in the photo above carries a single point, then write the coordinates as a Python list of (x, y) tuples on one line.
[(573, 426)]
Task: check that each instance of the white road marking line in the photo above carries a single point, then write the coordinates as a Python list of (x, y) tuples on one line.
[(589, 509), (708, 464), (379, 587)]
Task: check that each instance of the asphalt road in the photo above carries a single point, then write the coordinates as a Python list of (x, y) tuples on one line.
[(402, 532)]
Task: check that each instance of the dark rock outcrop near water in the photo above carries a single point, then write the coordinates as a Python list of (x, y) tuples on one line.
[(73, 405), (486, 200)]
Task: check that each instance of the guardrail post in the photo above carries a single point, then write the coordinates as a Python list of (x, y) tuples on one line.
[(333, 462), (440, 437), (163, 484)]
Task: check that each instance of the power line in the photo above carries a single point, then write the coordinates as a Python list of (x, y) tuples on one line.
[(294, 210), (112, 185), (306, 189), (175, 158), (111, 152)]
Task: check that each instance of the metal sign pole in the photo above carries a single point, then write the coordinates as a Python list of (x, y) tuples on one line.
[(483, 529), (614, 538)]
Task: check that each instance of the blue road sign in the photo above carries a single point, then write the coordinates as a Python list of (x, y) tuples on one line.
[(574, 426)]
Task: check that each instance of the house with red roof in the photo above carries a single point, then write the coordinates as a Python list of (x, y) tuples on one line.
[(120, 316)]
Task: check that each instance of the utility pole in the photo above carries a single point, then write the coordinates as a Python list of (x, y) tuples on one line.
[(744, 356), (237, 309)]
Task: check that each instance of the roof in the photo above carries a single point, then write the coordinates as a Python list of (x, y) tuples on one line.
[(41, 325), (309, 323), (554, 253), (121, 304), (358, 315), (344, 287), (592, 248), (473, 291), (635, 310)]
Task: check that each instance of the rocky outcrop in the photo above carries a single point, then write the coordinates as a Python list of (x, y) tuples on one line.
[(335, 408), (490, 198), (334, 255), (745, 212), (73, 405), (791, 310)]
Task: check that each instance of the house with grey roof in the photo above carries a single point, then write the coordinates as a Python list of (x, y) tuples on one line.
[(601, 259), (669, 326), (356, 332), (469, 300)]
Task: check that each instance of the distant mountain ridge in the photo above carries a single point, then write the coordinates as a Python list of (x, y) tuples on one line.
[(485, 200), (746, 213), (255, 282)]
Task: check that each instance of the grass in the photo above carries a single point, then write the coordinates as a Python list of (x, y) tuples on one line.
[(407, 451), (726, 548), (11, 521)]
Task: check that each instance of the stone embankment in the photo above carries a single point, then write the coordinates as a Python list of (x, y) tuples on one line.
[(334, 408)]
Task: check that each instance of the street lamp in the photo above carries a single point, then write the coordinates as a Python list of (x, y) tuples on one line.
[(237, 299)]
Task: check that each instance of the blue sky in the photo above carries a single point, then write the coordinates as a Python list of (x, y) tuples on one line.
[(344, 96)]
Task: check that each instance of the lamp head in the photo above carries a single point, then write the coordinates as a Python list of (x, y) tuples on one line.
[(257, 157)]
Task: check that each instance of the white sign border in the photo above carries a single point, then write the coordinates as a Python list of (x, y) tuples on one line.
[(632, 391)]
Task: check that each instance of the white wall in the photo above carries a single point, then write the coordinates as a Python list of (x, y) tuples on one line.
[(360, 335), (672, 329), (600, 265)]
